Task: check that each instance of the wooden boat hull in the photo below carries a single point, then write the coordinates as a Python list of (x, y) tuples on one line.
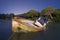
[(19, 26)]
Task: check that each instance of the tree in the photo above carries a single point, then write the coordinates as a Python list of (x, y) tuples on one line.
[(31, 14), (48, 11), (57, 15)]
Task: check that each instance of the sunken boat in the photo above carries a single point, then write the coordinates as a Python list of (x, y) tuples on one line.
[(25, 25)]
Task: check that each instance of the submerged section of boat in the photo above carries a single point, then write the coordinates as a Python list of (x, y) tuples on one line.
[(24, 25)]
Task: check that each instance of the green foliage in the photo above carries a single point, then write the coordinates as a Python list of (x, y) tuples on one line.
[(6, 16), (57, 13), (47, 11), (32, 14)]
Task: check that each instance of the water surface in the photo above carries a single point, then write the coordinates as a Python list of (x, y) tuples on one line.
[(5, 29), (52, 33)]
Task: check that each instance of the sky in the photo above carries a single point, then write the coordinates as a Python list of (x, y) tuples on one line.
[(23, 6)]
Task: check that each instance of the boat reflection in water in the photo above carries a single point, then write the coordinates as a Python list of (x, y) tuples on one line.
[(28, 36)]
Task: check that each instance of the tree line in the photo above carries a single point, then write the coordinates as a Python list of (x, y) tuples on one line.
[(6, 16), (49, 12)]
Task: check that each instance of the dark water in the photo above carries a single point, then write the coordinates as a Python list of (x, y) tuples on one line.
[(52, 33), (5, 29)]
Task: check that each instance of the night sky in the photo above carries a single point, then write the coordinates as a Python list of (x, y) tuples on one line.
[(23, 6)]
